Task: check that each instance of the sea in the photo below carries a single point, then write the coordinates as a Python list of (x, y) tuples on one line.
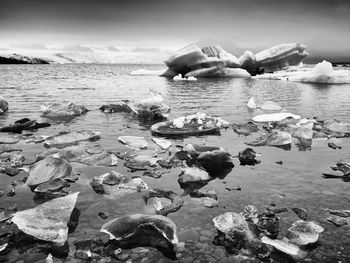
[(297, 183)]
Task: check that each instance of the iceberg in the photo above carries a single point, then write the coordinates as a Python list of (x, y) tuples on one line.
[(211, 61), (322, 73), (281, 56), (248, 62)]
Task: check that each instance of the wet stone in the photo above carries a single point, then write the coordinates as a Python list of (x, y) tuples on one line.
[(203, 239), (187, 235), (220, 253), (122, 256), (103, 215), (139, 250), (188, 260), (207, 233)]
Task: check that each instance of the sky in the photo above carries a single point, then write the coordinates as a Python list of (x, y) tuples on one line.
[(323, 25)]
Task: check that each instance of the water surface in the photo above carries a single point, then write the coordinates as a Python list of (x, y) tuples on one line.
[(26, 87)]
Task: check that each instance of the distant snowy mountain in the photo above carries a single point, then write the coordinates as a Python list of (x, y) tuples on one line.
[(80, 54), (19, 59)]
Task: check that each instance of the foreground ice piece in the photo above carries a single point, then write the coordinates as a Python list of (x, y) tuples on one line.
[(64, 140), (7, 138), (162, 143), (196, 124), (48, 169), (100, 159), (301, 129), (64, 109), (159, 195), (133, 141), (303, 232), (152, 108), (140, 230), (193, 177), (275, 138), (116, 184), (282, 246), (335, 126), (233, 224), (274, 117), (281, 56), (267, 105), (49, 220)]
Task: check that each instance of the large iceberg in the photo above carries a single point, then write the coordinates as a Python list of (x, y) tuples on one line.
[(211, 61), (281, 56), (214, 61)]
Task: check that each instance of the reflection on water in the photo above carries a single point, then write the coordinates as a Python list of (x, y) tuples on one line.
[(299, 179)]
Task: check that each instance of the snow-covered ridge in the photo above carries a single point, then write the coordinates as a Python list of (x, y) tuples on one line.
[(94, 55), (19, 59)]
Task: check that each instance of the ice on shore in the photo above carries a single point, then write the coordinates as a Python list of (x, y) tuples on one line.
[(322, 73)]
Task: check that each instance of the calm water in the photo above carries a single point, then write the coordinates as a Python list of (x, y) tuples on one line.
[(299, 178)]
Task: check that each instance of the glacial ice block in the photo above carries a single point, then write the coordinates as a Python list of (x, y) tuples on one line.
[(281, 56)]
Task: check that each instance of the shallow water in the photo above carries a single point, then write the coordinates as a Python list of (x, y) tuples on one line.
[(26, 87)]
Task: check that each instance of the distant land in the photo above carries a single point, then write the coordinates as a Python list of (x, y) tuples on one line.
[(19, 59), (40, 54)]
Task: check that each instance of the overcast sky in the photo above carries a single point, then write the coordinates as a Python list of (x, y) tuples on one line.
[(322, 25)]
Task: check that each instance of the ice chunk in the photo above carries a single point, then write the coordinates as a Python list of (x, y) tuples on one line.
[(270, 105), (133, 141), (164, 144), (49, 220), (274, 117), (251, 103), (178, 77)]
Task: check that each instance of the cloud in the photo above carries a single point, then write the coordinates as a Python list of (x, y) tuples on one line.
[(29, 46), (145, 49), (78, 48), (111, 48)]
